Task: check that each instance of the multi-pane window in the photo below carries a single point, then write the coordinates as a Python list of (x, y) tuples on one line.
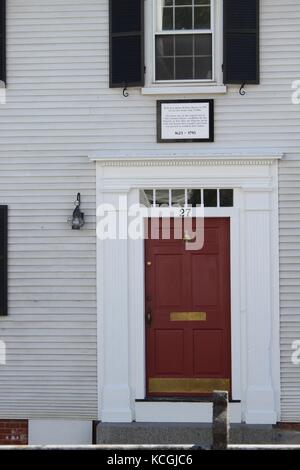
[(184, 40), (187, 197)]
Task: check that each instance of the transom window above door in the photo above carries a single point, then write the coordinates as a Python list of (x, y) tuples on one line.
[(184, 40), (187, 197)]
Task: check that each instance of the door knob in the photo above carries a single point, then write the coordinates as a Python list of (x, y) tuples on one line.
[(187, 237), (148, 316)]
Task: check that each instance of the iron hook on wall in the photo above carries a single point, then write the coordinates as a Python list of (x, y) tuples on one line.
[(125, 92), (242, 90)]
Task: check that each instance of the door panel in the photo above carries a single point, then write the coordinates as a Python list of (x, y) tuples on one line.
[(188, 313), (205, 280), (168, 280), (170, 359), (208, 344)]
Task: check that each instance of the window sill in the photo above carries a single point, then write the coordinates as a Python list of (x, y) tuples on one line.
[(184, 90)]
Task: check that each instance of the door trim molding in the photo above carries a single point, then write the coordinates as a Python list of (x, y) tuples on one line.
[(173, 157), (120, 268)]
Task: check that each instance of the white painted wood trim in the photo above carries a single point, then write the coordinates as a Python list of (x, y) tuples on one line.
[(255, 316), (184, 90), (136, 270), (275, 296), (115, 393), (183, 85), (171, 157)]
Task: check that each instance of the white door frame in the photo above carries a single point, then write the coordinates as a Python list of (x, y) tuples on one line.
[(138, 323), (254, 285)]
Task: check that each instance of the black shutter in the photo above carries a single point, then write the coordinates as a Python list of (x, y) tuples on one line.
[(126, 19), (241, 41), (3, 260), (3, 40)]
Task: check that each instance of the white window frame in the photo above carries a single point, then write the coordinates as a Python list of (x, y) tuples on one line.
[(151, 84)]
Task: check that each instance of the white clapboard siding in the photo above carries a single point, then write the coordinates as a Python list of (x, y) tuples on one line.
[(50, 332), (59, 109), (289, 181)]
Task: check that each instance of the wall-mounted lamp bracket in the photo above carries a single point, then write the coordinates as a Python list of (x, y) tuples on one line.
[(77, 220)]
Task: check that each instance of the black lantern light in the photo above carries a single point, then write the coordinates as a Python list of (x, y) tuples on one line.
[(78, 216)]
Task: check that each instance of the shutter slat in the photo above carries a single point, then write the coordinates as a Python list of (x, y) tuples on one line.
[(3, 260), (126, 43), (241, 41), (3, 40)]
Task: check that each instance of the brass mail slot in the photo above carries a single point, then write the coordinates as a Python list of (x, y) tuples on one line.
[(192, 385), (188, 316)]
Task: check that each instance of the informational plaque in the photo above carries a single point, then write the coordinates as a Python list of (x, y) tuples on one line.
[(185, 121)]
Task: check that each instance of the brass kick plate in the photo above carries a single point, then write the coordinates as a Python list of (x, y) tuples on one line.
[(188, 316), (188, 385)]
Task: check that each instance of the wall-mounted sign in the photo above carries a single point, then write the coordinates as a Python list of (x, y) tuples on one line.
[(185, 121)]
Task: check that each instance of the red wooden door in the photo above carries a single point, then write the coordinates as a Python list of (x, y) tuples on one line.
[(188, 313)]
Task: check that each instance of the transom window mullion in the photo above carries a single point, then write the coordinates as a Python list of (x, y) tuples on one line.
[(195, 197)]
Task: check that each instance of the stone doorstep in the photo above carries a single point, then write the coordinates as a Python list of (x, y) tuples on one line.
[(189, 433)]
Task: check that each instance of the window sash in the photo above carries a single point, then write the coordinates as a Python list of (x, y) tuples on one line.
[(190, 59), (157, 8)]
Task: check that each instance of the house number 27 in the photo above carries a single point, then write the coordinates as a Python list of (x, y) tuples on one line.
[(185, 212)]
